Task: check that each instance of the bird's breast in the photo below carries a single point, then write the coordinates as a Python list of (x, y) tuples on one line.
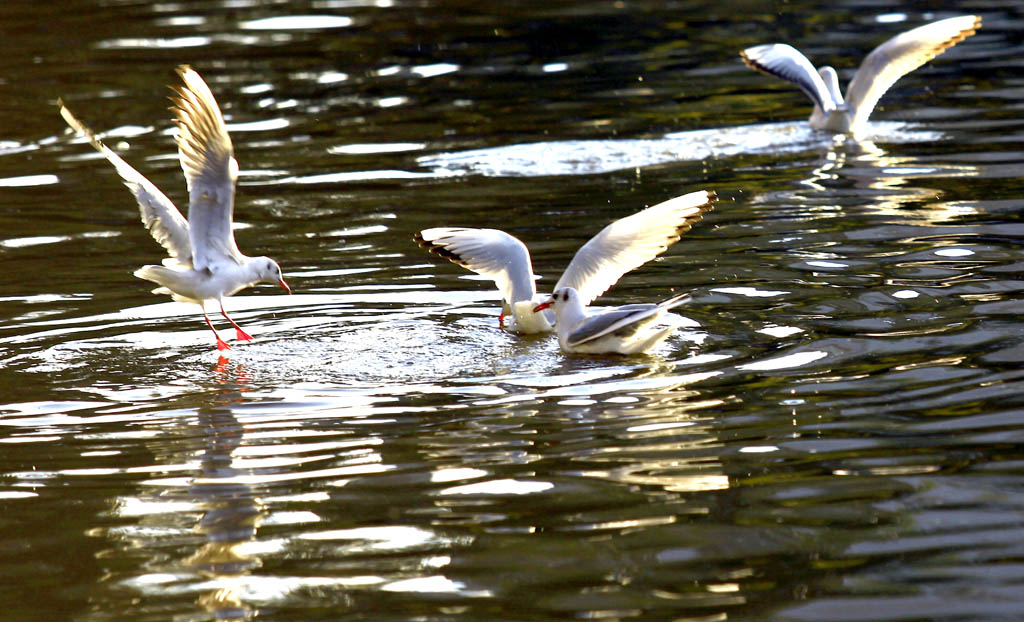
[(837, 121)]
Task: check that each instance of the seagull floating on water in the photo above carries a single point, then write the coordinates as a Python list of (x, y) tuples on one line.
[(629, 329), (204, 263), (624, 245), (881, 69)]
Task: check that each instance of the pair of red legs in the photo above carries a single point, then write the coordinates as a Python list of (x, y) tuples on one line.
[(240, 334)]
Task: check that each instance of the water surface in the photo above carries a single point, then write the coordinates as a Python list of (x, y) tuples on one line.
[(837, 438)]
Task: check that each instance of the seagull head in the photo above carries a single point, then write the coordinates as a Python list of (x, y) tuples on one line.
[(268, 271), (560, 297)]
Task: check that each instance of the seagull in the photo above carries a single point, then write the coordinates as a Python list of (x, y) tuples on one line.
[(624, 245), (204, 263), (881, 69), (629, 329)]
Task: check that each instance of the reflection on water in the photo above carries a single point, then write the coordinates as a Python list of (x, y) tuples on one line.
[(231, 513), (835, 438), (885, 182)]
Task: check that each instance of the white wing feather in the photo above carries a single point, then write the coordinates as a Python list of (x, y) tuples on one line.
[(488, 252), (899, 56), (158, 213), (630, 242), (205, 151), (787, 62)]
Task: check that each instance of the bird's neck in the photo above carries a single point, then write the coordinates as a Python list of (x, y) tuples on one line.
[(836, 121), (570, 313), (524, 320)]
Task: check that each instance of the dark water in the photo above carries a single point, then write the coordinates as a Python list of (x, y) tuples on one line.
[(840, 439)]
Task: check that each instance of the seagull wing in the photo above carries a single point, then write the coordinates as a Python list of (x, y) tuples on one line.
[(899, 56), (631, 242), (787, 62), (488, 252), (625, 319), (628, 319), (205, 151), (160, 216)]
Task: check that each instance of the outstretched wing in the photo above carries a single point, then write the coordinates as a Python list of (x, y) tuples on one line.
[(160, 216), (205, 151), (631, 242), (488, 252), (899, 56), (787, 62)]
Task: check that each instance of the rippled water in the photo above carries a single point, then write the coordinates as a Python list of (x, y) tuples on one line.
[(838, 436)]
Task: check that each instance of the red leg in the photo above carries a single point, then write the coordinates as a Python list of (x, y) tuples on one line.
[(501, 319), (221, 344), (240, 334)]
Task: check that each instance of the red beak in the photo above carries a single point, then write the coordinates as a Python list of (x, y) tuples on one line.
[(284, 286), (542, 306)]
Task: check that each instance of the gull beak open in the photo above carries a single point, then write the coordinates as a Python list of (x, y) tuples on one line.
[(284, 286), (542, 306)]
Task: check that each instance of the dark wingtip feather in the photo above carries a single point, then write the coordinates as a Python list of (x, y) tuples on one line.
[(438, 249), (688, 224), (755, 65), (963, 34)]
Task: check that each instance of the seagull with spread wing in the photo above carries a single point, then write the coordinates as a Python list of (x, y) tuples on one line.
[(886, 64), (204, 263), (624, 245)]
